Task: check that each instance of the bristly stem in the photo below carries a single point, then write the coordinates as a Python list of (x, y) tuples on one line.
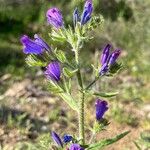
[(81, 103), (81, 120)]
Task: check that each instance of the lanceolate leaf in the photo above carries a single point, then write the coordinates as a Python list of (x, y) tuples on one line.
[(103, 143), (69, 100), (110, 94), (69, 73)]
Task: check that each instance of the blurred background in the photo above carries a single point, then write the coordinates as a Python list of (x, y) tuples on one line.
[(28, 111)]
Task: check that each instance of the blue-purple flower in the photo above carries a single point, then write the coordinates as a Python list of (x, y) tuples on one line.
[(53, 71), (105, 54), (108, 59), (36, 46), (54, 18), (67, 138), (113, 57), (76, 16), (101, 108), (56, 138), (76, 147), (87, 12)]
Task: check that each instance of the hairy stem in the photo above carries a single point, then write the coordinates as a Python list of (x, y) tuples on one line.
[(81, 103), (81, 120)]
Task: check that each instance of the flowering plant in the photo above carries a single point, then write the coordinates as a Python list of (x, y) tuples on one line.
[(60, 70)]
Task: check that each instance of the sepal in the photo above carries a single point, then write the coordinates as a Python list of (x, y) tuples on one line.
[(33, 61), (60, 56), (58, 35), (115, 68), (100, 125)]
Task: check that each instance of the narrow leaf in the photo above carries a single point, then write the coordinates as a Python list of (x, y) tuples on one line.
[(69, 100), (109, 94), (103, 143), (69, 73)]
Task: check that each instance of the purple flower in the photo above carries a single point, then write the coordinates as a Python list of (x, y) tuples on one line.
[(67, 138), (113, 57), (36, 46), (101, 108), (54, 17), (105, 54), (53, 71), (76, 147), (86, 15), (76, 16), (107, 60), (104, 69), (41, 42), (56, 138)]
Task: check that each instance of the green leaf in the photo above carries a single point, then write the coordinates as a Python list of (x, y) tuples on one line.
[(69, 73), (103, 143), (137, 145), (61, 56), (58, 36), (53, 87), (69, 100), (33, 61), (103, 94)]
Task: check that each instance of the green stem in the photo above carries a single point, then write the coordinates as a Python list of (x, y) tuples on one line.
[(91, 83), (81, 103), (81, 120)]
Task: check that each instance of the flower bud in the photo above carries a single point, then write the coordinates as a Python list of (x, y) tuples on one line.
[(86, 15), (56, 139), (101, 108), (76, 147), (67, 138), (105, 54), (113, 57), (54, 18), (76, 16), (53, 71)]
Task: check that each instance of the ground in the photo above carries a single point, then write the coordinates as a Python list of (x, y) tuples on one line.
[(28, 110)]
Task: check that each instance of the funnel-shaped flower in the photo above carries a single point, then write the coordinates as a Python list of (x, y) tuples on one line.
[(104, 69), (76, 16), (86, 15), (56, 139), (67, 138), (54, 17), (36, 46), (53, 71), (107, 60), (113, 57), (105, 54), (41, 42), (101, 108), (76, 147)]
